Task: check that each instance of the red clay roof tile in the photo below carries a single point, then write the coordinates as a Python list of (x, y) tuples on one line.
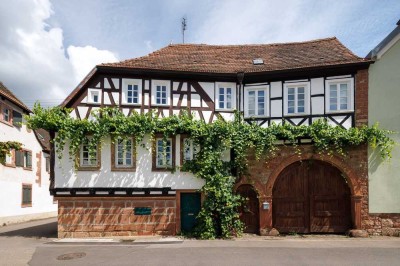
[(239, 58), (5, 92)]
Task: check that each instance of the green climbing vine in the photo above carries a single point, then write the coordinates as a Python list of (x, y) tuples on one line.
[(219, 214), (6, 147)]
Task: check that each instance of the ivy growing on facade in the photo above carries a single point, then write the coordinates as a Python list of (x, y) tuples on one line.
[(219, 214), (6, 147)]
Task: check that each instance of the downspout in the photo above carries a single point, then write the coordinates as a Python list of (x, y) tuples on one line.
[(240, 77), (52, 162)]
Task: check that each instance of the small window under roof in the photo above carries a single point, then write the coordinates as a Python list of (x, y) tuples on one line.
[(258, 61)]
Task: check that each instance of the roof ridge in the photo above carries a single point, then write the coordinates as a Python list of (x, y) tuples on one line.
[(255, 44)]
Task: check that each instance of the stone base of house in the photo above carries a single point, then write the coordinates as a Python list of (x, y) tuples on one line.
[(387, 224), (82, 217)]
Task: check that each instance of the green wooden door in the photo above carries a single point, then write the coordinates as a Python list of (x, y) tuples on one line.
[(190, 208)]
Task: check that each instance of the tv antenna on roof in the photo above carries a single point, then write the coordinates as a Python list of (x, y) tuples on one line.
[(184, 19)]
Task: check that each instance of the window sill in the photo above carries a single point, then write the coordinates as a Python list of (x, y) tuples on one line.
[(27, 168), (95, 103), (123, 169), (26, 205), (340, 111), (132, 104), (162, 169), (10, 165), (256, 116), (159, 104), (297, 114), (88, 168), (225, 109)]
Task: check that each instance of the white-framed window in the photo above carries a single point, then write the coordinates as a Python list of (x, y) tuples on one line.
[(87, 159), (297, 98), (190, 149), (161, 91), (163, 153), (225, 95), (124, 152), (94, 96), (132, 91), (256, 101), (339, 95)]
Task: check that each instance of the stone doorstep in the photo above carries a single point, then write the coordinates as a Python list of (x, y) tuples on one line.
[(137, 240)]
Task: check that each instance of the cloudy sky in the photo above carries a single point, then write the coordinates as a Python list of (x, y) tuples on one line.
[(48, 46)]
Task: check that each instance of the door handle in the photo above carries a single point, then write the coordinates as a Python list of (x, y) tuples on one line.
[(190, 214)]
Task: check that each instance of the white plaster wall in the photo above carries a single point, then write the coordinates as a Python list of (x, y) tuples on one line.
[(143, 177), (276, 89), (318, 105), (317, 86), (12, 178)]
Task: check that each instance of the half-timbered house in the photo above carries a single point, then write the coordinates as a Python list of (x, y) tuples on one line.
[(131, 193)]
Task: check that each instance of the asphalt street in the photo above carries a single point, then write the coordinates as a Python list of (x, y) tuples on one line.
[(33, 244)]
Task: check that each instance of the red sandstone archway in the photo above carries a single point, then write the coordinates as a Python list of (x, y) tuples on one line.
[(266, 220), (311, 197)]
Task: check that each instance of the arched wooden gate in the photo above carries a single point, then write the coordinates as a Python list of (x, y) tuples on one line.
[(311, 197)]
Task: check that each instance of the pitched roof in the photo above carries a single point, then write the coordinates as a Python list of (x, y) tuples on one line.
[(239, 58), (11, 97), (43, 137)]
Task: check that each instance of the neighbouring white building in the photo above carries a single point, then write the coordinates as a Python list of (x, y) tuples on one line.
[(24, 177)]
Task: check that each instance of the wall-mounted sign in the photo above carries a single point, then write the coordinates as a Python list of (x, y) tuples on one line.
[(142, 211)]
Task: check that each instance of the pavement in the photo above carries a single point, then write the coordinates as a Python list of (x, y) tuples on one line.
[(35, 243)]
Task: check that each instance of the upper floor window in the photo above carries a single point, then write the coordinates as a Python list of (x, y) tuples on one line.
[(226, 95), (339, 95), (256, 101), (132, 91), (17, 118), (94, 96), (161, 92), (123, 153), (6, 113), (47, 158), (296, 100)]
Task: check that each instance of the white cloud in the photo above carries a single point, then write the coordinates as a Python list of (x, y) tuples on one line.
[(34, 61), (260, 21), (83, 59)]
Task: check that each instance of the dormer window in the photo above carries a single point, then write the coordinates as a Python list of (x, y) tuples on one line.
[(258, 61), (94, 96)]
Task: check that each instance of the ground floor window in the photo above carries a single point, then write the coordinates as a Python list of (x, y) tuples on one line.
[(26, 195)]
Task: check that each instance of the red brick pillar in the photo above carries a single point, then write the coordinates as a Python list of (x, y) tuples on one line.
[(361, 97)]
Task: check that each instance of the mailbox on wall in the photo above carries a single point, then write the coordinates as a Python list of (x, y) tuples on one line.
[(265, 205)]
